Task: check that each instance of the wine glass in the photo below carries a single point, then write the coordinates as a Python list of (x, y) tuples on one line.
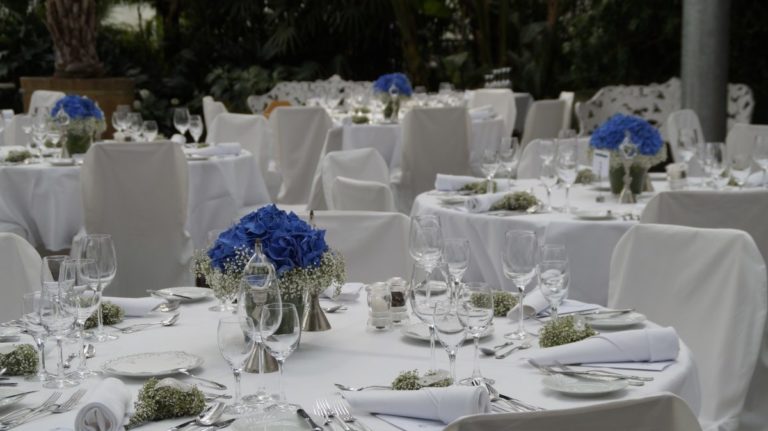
[(490, 164), (566, 168), (30, 319), (548, 178), (149, 130), (134, 126), (566, 134), (181, 121), (686, 146), (425, 241), (101, 249), (519, 261), (716, 163), (450, 331), (426, 289), (456, 254), (475, 311), (546, 151), (554, 276), (280, 328), (40, 123), (58, 313), (120, 121), (509, 156), (235, 338), (760, 154), (85, 299), (196, 127), (739, 165)]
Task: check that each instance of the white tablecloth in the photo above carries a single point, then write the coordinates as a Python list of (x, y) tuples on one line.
[(46, 200), (350, 355)]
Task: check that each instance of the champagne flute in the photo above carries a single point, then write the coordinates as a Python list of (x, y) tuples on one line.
[(181, 121), (84, 300), (490, 164), (456, 254), (101, 249), (450, 331), (548, 178), (509, 156), (760, 154), (519, 262), (196, 127), (280, 328), (30, 318), (149, 130), (475, 311), (57, 314), (235, 339)]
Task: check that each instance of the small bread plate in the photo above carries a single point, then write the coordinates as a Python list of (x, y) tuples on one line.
[(197, 157), (583, 387), (193, 293), (62, 162), (152, 364), (594, 215), (616, 321)]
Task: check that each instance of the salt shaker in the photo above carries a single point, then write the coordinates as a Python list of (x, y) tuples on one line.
[(379, 307), (397, 290)]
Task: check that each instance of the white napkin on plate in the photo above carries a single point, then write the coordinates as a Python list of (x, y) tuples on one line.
[(105, 408), (482, 112), (179, 139), (482, 203), (443, 404), (535, 303), (349, 292), (452, 183), (220, 149), (135, 307), (640, 345)]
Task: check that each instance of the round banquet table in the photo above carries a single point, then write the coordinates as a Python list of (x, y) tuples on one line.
[(589, 243), (46, 201), (386, 139), (352, 355)]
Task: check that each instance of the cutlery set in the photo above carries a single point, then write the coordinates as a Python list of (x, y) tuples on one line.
[(49, 407), (333, 411), (590, 374)]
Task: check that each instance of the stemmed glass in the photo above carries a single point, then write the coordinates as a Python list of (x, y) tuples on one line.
[(149, 130), (450, 331), (546, 151), (101, 249), (686, 146), (715, 163), (235, 338), (456, 254), (280, 329), (39, 131), (134, 126), (566, 168), (554, 275), (760, 154), (475, 310), (196, 127), (30, 319), (739, 165), (490, 165), (181, 121), (85, 299), (509, 156), (57, 313), (519, 262), (548, 178)]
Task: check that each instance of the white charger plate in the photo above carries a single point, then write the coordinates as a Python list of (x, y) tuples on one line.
[(594, 215), (616, 322), (62, 162), (196, 293), (152, 364), (420, 331), (582, 387)]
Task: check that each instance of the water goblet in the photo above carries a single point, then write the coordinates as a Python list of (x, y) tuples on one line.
[(426, 289), (716, 163), (196, 127), (566, 168), (30, 319), (235, 336), (280, 328), (548, 178), (475, 311), (425, 241), (135, 125), (456, 253), (85, 298), (57, 317), (554, 276), (181, 121), (519, 258), (490, 164), (101, 249), (739, 165), (149, 130), (449, 331), (546, 151)]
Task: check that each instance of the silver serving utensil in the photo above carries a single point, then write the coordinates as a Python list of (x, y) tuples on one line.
[(308, 419), (207, 417), (334, 308), (167, 294), (170, 321), (361, 388), (523, 346), (210, 383), (604, 373), (491, 351)]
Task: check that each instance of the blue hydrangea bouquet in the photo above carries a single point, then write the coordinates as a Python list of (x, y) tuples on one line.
[(392, 88), (86, 121), (304, 264)]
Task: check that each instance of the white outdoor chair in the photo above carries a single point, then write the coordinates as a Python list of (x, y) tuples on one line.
[(684, 119), (138, 193), (299, 136), (710, 285), (374, 244), (741, 138), (654, 413), (530, 162), (333, 142), (20, 265), (211, 109), (568, 97), (544, 120), (503, 102), (349, 194), (44, 99), (14, 130), (435, 140), (365, 164)]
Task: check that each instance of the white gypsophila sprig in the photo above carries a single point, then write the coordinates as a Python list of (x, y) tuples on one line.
[(314, 279), (226, 283)]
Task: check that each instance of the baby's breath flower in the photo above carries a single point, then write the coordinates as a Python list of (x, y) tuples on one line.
[(21, 361), (564, 330), (479, 187), (159, 403), (517, 201), (110, 313)]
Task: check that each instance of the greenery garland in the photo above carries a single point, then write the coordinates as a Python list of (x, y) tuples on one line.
[(17, 156), (502, 302), (22, 361), (479, 187), (564, 330), (411, 381), (158, 402), (517, 201), (111, 314)]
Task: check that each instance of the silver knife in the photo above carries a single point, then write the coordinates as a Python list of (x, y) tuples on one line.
[(308, 419), (176, 295), (598, 312), (219, 425)]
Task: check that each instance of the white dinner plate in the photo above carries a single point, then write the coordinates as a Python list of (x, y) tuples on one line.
[(583, 387), (453, 200), (197, 157), (9, 334), (62, 162), (152, 364), (420, 331), (271, 420), (594, 215), (616, 322), (196, 293)]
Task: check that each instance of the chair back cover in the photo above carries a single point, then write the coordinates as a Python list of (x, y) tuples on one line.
[(13, 134), (710, 285), (211, 109), (530, 162), (659, 412), (20, 265), (568, 97), (374, 244), (684, 119), (44, 98), (503, 102), (365, 164), (544, 120), (435, 140), (138, 193), (334, 140), (299, 136), (348, 194), (741, 139)]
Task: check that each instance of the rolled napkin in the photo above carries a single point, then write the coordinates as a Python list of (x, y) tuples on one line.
[(452, 183), (105, 408), (221, 149), (136, 307), (443, 404), (482, 203), (350, 292), (641, 345), (482, 112), (533, 304)]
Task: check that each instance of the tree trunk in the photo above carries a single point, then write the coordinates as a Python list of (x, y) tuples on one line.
[(414, 63), (73, 28)]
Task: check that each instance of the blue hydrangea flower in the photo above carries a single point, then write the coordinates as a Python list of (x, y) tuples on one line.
[(78, 107), (398, 80), (610, 134)]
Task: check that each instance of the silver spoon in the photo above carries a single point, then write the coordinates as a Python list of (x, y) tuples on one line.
[(362, 388), (490, 351), (210, 383), (206, 418), (334, 308), (68, 362), (89, 350), (165, 322), (523, 346)]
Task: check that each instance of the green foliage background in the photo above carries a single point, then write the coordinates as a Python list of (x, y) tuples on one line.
[(233, 48)]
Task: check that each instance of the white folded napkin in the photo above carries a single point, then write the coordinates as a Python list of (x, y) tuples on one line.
[(349, 292), (640, 345), (482, 203), (452, 183), (135, 307), (221, 149), (443, 404), (179, 139), (482, 112), (535, 303), (105, 408)]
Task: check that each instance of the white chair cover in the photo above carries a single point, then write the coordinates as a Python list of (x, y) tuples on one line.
[(211, 110), (544, 120), (349, 194), (568, 97), (44, 98), (138, 192), (435, 140), (503, 102), (14, 133), (530, 162), (684, 119), (710, 285), (374, 244), (655, 413), (20, 265), (365, 164), (741, 138), (299, 136), (334, 141)]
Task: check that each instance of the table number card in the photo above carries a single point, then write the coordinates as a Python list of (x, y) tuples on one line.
[(600, 162)]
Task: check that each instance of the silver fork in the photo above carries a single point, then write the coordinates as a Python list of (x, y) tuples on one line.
[(320, 411), (27, 410), (51, 409), (340, 408), (325, 405)]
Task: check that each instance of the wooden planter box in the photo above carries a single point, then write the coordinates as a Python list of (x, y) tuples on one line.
[(108, 92)]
